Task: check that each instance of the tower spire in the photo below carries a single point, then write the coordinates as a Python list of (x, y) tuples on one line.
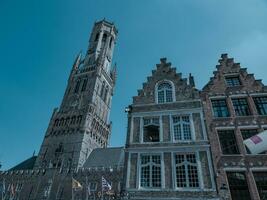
[(85, 107)]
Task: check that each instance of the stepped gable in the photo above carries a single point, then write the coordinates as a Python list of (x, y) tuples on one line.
[(165, 72), (227, 68)]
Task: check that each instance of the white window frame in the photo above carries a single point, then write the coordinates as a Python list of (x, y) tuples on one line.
[(191, 124), (156, 91), (162, 171), (199, 172)]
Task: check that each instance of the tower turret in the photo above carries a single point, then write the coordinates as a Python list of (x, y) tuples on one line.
[(101, 45), (82, 121)]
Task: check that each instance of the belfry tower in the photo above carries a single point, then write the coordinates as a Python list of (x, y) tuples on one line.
[(82, 123)]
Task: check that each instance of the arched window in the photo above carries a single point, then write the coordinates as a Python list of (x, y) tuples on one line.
[(165, 92), (106, 94), (56, 122), (104, 38), (96, 37), (84, 84), (110, 42), (77, 87), (102, 90)]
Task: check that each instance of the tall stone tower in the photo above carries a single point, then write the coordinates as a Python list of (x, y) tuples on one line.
[(82, 121)]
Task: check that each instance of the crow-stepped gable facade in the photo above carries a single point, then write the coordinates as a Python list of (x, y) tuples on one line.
[(235, 106), (167, 150)]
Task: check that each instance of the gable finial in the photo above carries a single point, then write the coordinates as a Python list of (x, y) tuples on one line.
[(191, 80)]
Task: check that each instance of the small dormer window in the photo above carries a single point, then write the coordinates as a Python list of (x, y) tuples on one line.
[(232, 81), (165, 92)]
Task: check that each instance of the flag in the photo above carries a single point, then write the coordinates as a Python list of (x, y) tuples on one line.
[(257, 144), (76, 184), (256, 139), (105, 185)]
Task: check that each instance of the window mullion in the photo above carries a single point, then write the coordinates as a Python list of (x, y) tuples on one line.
[(186, 172)]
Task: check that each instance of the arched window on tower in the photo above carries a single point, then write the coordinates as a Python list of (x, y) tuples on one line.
[(164, 92), (110, 42), (77, 87), (102, 90), (106, 94), (84, 84), (104, 38), (96, 37)]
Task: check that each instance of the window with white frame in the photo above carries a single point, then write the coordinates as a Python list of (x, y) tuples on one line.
[(151, 129), (165, 92), (181, 128), (150, 169), (186, 170)]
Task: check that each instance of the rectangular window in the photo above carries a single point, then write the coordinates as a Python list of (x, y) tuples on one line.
[(181, 128), (151, 129), (247, 133), (238, 185), (228, 142), (241, 107), (220, 108), (261, 182), (232, 81), (186, 171), (261, 105), (150, 166)]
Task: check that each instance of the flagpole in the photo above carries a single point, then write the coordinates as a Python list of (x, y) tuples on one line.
[(3, 188), (72, 187), (101, 188), (86, 189)]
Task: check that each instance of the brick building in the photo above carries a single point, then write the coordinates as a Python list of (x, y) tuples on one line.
[(235, 107), (167, 149)]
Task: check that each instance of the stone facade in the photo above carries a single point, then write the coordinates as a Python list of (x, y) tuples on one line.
[(167, 150), (82, 121), (232, 115)]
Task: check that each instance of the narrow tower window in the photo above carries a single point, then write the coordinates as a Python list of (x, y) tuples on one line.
[(84, 84), (96, 37), (104, 38), (110, 42), (77, 87)]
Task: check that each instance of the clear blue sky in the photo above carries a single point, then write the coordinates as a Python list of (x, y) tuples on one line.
[(40, 39)]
